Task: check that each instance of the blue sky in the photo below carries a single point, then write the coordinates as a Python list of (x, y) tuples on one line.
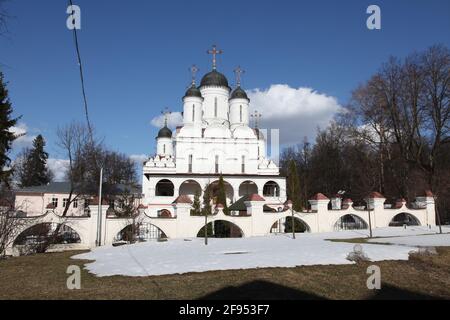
[(137, 53)]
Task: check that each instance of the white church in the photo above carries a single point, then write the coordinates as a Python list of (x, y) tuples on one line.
[(214, 140)]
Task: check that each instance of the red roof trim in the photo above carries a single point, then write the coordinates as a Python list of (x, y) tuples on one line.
[(319, 196)]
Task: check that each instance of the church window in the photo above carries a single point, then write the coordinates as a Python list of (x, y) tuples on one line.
[(165, 188), (217, 164), (190, 163), (164, 149), (215, 107), (193, 112), (55, 202), (243, 164), (240, 114)]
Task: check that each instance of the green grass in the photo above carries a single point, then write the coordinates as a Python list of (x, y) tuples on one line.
[(44, 277)]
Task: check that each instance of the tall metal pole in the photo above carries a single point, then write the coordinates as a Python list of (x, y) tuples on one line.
[(206, 228), (293, 222), (370, 219), (99, 217)]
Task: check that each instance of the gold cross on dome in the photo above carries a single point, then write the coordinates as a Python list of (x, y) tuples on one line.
[(214, 53), (194, 71), (166, 112), (238, 72), (256, 116)]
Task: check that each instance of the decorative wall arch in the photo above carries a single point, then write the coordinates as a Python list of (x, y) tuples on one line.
[(350, 222), (38, 232), (221, 228), (284, 225), (142, 232), (404, 218)]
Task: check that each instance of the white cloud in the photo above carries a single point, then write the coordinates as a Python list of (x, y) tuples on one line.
[(175, 119), (25, 139), (296, 112), (58, 167)]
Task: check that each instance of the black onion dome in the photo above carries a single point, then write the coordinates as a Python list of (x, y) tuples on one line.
[(193, 91), (238, 93), (165, 133), (214, 78)]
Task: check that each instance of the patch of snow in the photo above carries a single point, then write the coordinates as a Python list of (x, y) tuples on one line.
[(180, 256)]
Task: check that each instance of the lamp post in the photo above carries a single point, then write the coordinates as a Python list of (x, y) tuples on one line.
[(99, 216)]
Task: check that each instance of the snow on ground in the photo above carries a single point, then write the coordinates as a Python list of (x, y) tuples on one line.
[(181, 256)]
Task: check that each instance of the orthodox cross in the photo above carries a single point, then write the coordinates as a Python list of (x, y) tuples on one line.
[(238, 72), (166, 114), (256, 117), (214, 53), (194, 71)]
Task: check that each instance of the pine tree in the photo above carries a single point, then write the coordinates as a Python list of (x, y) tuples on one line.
[(33, 170), (196, 206), (6, 136), (207, 201), (221, 195), (293, 187)]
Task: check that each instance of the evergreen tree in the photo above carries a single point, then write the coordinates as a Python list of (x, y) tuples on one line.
[(6, 136), (207, 196), (293, 186), (33, 170), (221, 195), (196, 206)]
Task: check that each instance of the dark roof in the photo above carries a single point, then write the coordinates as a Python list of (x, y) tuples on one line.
[(214, 78), (165, 133), (238, 93), (64, 187), (193, 91), (239, 205)]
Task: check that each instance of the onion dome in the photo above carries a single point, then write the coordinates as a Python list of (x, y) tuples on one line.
[(238, 93), (165, 133), (214, 78), (193, 91)]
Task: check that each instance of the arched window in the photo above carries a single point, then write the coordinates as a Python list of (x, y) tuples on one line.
[(190, 163), (164, 148), (193, 112), (271, 189), (240, 115), (243, 164), (165, 188), (215, 107), (217, 164)]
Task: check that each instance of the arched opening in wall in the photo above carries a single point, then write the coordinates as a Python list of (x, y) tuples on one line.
[(271, 189), (164, 213), (190, 188), (140, 232), (165, 188), (285, 225), (404, 219), (221, 229), (40, 237), (350, 222), (247, 188), (229, 192)]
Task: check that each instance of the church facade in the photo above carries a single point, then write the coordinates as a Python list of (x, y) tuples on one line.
[(214, 140)]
